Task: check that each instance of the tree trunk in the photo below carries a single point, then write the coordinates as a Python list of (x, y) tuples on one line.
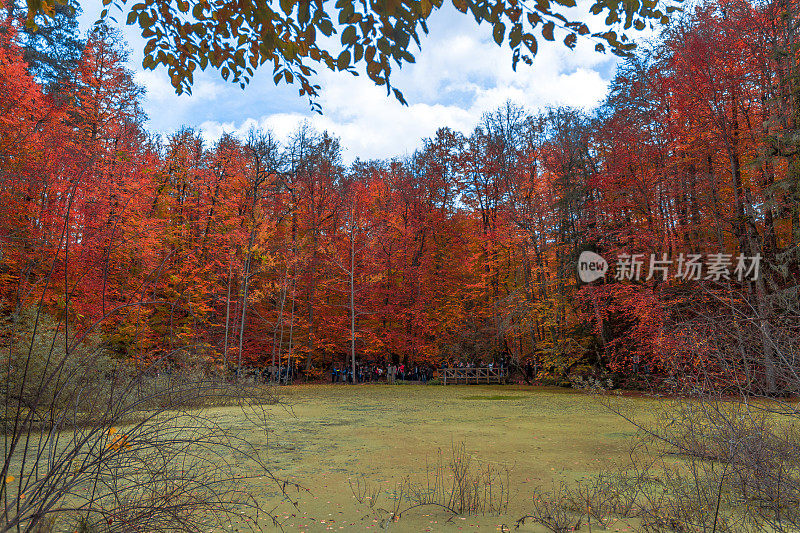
[(227, 315), (352, 301)]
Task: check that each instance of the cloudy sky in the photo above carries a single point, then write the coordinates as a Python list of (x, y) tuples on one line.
[(460, 74)]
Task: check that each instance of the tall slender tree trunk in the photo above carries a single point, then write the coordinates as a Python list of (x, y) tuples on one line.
[(247, 265), (227, 314), (312, 291), (749, 245), (291, 328), (352, 299), (277, 347), (244, 316)]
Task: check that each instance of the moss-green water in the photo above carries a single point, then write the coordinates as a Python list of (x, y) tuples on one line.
[(324, 436)]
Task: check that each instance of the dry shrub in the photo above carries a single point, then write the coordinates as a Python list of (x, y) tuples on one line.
[(553, 509), (460, 485), (709, 465), (464, 485), (724, 453), (596, 498), (115, 448)]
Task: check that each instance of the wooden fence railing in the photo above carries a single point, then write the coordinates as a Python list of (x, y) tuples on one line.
[(455, 376)]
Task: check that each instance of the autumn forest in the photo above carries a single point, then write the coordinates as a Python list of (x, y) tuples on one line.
[(249, 252), (187, 322)]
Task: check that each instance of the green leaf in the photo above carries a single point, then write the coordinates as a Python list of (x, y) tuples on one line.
[(425, 8), (399, 96), (547, 31), (349, 35), (303, 13), (287, 6), (384, 46), (499, 32), (343, 61), (515, 36), (534, 19), (531, 44), (345, 14), (326, 27)]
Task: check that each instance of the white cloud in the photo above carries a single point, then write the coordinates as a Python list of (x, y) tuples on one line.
[(453, 84), (459, 75), (381, 128)]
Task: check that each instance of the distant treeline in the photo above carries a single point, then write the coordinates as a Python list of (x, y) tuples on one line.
[(250, 251)]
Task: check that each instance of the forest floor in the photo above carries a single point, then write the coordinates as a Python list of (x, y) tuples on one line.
[(325, 437)]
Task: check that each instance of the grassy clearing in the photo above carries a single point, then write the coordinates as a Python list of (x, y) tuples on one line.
[(493, 397), (325, 437)]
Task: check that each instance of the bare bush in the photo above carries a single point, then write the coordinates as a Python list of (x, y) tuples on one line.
[(463, 485), (553, 510), (595, 498), (725, 465), (94, 446), (460, 485), (44, 375), (723, 454)]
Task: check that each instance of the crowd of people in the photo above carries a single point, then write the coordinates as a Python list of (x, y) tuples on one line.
[(369, 373), (373, 373), (284, 374), (391, 373)]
